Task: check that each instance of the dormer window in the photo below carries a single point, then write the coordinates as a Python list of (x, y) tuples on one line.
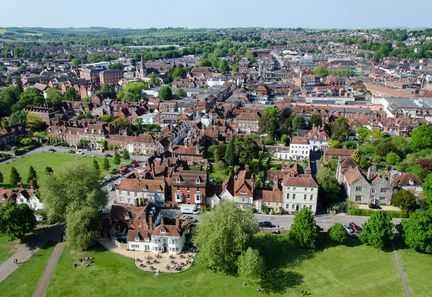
[(197, 180), (178, 179), (163, 230)]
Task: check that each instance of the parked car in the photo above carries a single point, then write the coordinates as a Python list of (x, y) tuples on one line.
[(51, 150), (276, 232), (108, 156), (124, 170), (374, 206), (348, 229), (356, 228), (265, 224), (71, 151), (134, 164), (79, 152)]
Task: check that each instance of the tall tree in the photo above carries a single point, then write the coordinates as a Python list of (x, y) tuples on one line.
[(269, 121), (1, 177), (316, 120), (250, 265), (48, 170), (230, 153), (125, 155), (96, 165), (70, 94), (82, 227), (340, 129), (405, 200), (223, 235), (53, 96), (14, 178), (16, 220), (427, 189), (116, 157), (165, 93), (32, 175), (378, 231), (71, 189), (418, 231), (106, 164), (304, 230), (421, 137)]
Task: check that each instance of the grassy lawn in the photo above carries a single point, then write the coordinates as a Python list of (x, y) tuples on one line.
[(55, 160), (331, 271), (23, 281), (7, 247), (418, 269)]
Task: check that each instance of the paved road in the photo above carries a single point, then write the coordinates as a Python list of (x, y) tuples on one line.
[(32, 244), (285, 221), (49, 269)]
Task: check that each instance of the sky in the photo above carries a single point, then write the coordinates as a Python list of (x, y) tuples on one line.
[(217, 13)]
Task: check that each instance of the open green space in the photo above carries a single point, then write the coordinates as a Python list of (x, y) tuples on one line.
[(7, 247), (23, 281), (418, 269), (354, 270), (56, 161)]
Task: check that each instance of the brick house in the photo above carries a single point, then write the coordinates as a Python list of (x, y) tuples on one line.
[(189, 187)]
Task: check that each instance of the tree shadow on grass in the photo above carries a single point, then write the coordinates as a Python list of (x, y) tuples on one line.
[(278, 281)]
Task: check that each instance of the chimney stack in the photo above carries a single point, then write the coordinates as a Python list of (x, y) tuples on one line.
[(162, 220), (177, 221), (151, 222)]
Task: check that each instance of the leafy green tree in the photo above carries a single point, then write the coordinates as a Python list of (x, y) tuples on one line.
[(392, 158), (154, 80), (250, 265), (1, 177), (298, 122), (96, 165), (284, 139), (427, 189), (14, 178), (32, 175), (421, 137), (329, 188), (165, 93), (418, 231), (125, 155), (34, 122), (71, 189), (304, 230), (419, 171), (362, 133), (18, 118), (230, 154), (53, 96), (269, 121), (70, 94), (116, 157), (223, 236), (316, 120), (338, 233), (115, 66), (405, 200), (29, 97), (268, 140), (105, 89), (106, 164), (224, 66), (181, 93), (16, 220), (132, 91), (82, 227), (340, 129), (378, 231), (321, 71)]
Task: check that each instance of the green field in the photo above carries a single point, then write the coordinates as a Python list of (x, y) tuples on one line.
[(7, 247), (331, 271), (418, 269), (41, 160), (23, 281)]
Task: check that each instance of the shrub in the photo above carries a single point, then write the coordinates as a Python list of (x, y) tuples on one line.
[(338, 233)]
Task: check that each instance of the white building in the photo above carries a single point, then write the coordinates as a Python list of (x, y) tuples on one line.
[(21, 196), (299, 148), (299, 192)]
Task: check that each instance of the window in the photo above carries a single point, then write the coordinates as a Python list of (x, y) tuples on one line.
[(178, 197), (358, 198), (358, 189), (187, 188), (311, 197), (288, 196), (198, 198), (128, 193), (243, 192), (304, 198), (293, 196), (293, 206), (373, 190), (383, 190), (197, 189), (286, 206)]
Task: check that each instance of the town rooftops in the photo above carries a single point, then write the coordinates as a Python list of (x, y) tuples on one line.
[(304, 180)]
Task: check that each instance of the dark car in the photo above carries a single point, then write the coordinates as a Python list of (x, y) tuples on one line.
[(374, 206), (71, 151), (265, 224), (124, 170), (51, 150), (276, 232), (108, 156)]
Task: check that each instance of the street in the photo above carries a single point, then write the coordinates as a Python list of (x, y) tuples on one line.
[(285, 221)]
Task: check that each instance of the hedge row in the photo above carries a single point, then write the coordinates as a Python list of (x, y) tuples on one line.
[(368, 212)]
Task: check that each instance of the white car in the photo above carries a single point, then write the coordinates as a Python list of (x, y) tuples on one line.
[(79, 153), (348, 229)]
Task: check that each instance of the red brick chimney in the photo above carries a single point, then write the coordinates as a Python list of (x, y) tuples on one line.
[(150, 222), (162, 220), (177, 221)]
